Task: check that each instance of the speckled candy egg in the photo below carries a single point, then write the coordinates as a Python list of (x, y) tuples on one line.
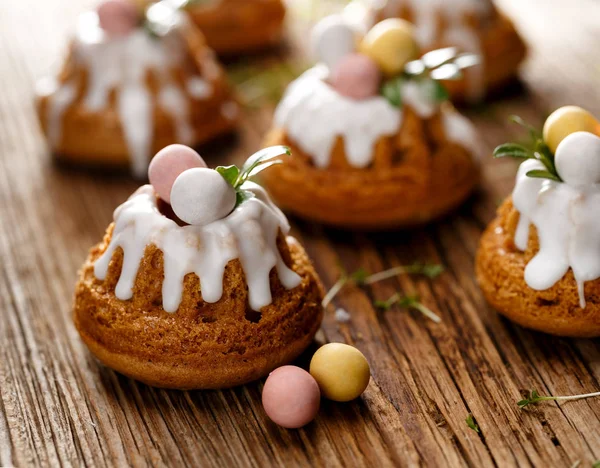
[(201, 196), (341, 371), (332, 39), (356, 76), (291, 397), (566, 120), (166, 166), (392, 44), (577, 159), (118, 17)]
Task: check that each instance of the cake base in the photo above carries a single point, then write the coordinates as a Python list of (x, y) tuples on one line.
[(202, 345), (500, 269)]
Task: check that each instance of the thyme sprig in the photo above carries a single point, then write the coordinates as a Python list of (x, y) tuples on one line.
[(472, 424), (362, 277), (255, 164), (538, 150), (533, 398), (409, 302), (428, 71)]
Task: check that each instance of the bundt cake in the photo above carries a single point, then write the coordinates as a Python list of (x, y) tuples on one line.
[(206, 291), (474, 26), (238, 26), (374, 142), (539, 260), (132, 84)]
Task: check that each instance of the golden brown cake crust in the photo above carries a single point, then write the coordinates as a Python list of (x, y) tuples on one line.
[(416, 176), (237, 26), (201, 345), (501, 274), (96, 138)]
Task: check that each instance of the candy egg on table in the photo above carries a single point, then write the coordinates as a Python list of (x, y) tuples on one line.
[(332, 39), (118, 17), (577, 159), (291, 397), (200, 196), (356, 76), (392, 44), (341, 371), (166, 166), (566, 120)]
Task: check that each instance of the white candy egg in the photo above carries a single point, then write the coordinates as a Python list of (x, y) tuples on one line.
[(200, 196), (577, 159), (332, 39)]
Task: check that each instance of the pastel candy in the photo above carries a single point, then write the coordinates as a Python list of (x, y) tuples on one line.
[(200, 196), (118, 17), (291, 397), (356, 76), (166, 166), (577, 159), (331, 39), (566, 120)]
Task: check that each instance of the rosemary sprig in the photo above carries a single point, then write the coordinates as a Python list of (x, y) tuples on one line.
[(533, 398), (472, 424), (539, 151), (428, 71), (255, 164), (410, 302), (361, 277)]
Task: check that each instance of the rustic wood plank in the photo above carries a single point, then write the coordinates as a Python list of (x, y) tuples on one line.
[(58, 406)]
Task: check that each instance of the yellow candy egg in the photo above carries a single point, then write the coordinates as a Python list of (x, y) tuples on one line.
[(392, 44), (341, 371), (565, 121)]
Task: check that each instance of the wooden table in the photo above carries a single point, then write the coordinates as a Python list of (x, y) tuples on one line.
[(59, 406)]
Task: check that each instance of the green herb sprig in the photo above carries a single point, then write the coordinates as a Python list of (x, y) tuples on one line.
[(409, 302), (472, 424), (362, 277), (539, 151), (428, 71), (534, 398), (255, 164)]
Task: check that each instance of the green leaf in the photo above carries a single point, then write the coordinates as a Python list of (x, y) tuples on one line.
[(241, 196), (391, 91), (596, 464), (472, 424), (383, 305), (439, 57), (432, 271), (535, 134), (359, 276), (262, 167), (541, 174), (440, 93), (513, 150), (229, 173), (264, 155)]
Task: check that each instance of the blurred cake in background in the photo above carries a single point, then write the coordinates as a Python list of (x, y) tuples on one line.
[(237, 26), (474, 26), (134, 81), (374, 141)]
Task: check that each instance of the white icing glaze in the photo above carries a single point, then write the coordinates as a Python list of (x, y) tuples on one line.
[(568, 227), (122, 64), (314, 115), (249, 234), (458, 32)]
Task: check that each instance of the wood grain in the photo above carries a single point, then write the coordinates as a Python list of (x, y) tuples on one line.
[(59, 407)]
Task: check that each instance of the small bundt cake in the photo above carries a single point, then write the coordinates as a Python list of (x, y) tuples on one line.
[(238, 26), (474, 26), (365, 160), (132, 84), (539, 260), (203, 292)]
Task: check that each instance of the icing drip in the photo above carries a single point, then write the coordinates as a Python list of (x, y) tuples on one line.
[(314, 115), (249, 233), (568, 227), (122, 64)]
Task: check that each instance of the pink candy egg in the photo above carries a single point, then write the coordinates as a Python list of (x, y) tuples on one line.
[(291, 397), (118, 17), (168, 164), (356, 76)]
